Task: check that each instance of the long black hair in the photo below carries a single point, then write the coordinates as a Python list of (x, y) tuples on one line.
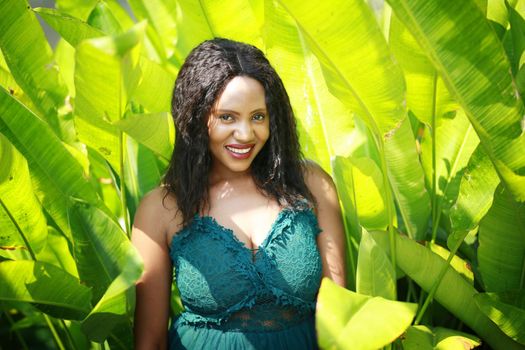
[(278, 170)]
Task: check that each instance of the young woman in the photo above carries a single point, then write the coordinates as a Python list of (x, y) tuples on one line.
[(248, 226)]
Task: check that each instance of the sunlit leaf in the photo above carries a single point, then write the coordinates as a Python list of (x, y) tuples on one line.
[(343, 318), (356, 61), (454, 292), (30, 60), (21, 218), (49, 288), (507, 310), (424, 338), (469, 57), (501, 249), (55, 173), (375, 274)]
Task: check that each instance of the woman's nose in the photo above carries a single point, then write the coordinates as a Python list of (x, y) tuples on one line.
[(244, 132)]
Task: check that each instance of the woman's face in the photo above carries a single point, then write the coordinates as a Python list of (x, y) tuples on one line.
[(238, 126)]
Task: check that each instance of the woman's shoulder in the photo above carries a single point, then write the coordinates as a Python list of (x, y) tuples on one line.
[(315, 175), (159, 208)]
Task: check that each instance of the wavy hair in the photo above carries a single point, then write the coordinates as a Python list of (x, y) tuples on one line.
[(278, 169)]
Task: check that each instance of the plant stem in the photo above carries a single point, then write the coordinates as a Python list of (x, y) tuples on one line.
[(435, 213), (17, 334), (53, 330), (389, 202), (435, 286), (68, 334), (123, 148)]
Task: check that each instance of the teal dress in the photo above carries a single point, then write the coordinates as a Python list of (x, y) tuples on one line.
[(234, 298)]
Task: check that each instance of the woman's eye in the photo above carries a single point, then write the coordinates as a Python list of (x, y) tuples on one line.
[(225, 117), (259, 117)]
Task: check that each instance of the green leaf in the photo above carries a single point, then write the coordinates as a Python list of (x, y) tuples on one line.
[(507, 310), (426, 94), (142, 174), (375, 274), (49, 288), (323, 121), (107, 72), (155, 86), (161, 15), (192, 28), (454, 292), (103, 19), (343, 318), (101, 248), (114, 308), (476, 192), (79, 9), (56, 252), (55, 173), (470, 58), (369, 194), (22, 222), (424, 338), (71, 29), (154, 131), (501, 249), (30, 60), (460, 265), (357, 64), (407, 180)]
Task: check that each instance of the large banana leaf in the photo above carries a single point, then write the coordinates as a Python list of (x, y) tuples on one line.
[(107, 72), (142, 174), (115, 306), (407, 180), (106, 75), (30, 60), (56, 174), (47, 287), (318, 113), (356, 61), (469, 57), (79, 9), (161, 15), (454, 292), (476, 193), (426, 95), (501, 251), (424, 338), (70, 28), (369, 194), (155, 131), (56, 252), (344, 319), (22, 222), (192, 28), (101, 248), (507, 310), (375, 274)]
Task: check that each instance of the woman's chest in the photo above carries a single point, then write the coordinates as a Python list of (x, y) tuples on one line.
[(214, 270)]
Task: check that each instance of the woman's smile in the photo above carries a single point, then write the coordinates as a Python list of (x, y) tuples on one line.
[(238, 126)]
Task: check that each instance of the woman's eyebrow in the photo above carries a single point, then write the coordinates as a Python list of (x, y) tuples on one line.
[(235, 112)]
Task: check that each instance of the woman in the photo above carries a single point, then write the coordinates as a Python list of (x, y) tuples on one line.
[(248, 226)]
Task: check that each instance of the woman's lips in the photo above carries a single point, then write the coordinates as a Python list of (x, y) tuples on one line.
[(239, 151)]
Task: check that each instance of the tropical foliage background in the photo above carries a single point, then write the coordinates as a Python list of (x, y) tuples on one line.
[(414, 107)]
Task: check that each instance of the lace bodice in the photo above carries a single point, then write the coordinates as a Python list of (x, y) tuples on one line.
[(223, 284)]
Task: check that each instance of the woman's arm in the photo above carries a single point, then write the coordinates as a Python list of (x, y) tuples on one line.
[(331, 241), (154, 286)]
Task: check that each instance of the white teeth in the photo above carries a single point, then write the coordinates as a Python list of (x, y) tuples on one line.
[(239, 150)]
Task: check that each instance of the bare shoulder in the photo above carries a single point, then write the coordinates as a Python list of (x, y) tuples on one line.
[(317, 179), (157, 215)]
